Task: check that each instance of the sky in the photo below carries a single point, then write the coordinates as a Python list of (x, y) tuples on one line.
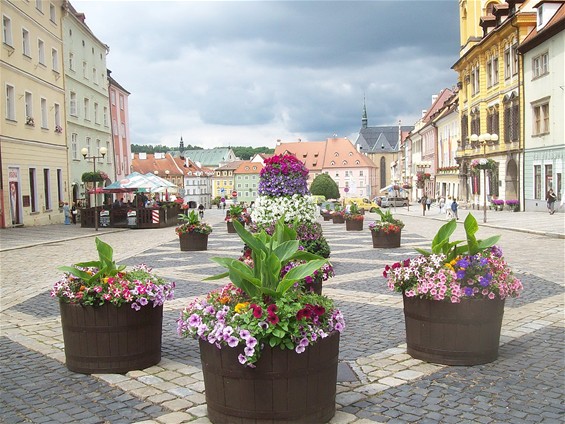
[(249, 73)]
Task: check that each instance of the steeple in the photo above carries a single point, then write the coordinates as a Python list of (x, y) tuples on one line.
[(364, 117), (181, 144)]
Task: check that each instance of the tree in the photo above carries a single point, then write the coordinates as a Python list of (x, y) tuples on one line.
[(324, 185), (246, 153)]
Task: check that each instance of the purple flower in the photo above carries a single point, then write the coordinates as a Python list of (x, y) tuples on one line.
[(245, 334), (251, 342), (249, 351), (242, 359), (135, 306), (468, 291), (299, 349), (143, 301), (461, 274), (232, 341)]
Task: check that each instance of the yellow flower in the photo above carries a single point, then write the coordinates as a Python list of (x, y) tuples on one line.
[(106, 279), (449, 266), (240, 306)]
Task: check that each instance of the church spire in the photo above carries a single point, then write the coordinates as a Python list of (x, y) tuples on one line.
[(181, 144), (364, 117)]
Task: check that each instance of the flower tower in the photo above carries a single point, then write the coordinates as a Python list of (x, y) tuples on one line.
[(283, 192)]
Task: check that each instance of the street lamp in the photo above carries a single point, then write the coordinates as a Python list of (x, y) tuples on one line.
[(84, 152), (484, 140)]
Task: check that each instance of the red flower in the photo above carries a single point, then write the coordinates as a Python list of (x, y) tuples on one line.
[(272, 308), (319, 310), (257, 311), (273, 319)]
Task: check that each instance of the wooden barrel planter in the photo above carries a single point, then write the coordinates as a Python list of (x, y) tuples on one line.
[(193, 241), (465, 333), (338, 219), (109, 339), (285, 387), (354, 225), (384, 240), (231, 228), (327, 216)]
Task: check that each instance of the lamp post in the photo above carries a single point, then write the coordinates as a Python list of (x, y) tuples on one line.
[(484, 140), (102, 151)]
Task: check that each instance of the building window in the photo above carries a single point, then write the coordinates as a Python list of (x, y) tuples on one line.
[(71, 62), (115, 126), (52, 13), (121, 102), (515, 59), (475, 83), (41, 51), (492, 121), (88, 145), (73, 104), (541, 119), (7, 31), (475, 123), (55, 59), (105, 116), (25, 43), (33, 189), (540, 65), (464, 129), (95, 76), (84, 70), (44, 123), (28, 105), (548, 177), (511, 121), (361, 173), (57, 115), (39, 5), (96, 113), (108, 155), (87, 109), (113, 97), (60, 185), (10, 102), (537, 182), (47, 188), (74, 146)]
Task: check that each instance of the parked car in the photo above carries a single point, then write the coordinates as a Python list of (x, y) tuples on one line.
[(362, 203), (394, 201)]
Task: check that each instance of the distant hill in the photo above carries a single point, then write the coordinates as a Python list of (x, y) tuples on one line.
[(243, 152)]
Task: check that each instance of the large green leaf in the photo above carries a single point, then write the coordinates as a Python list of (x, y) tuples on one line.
[(298, 273), (443, 235), (286, 249)]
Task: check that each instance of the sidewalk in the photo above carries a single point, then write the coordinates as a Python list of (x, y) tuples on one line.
[(539, 223)]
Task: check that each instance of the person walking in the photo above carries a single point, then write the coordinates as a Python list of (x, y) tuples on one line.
[(74, 213), (441, 204), (67, 213), (428, 203), (454, 207), (201, 210), (551, 198)]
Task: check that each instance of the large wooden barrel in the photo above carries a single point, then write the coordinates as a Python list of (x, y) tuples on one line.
[(465, 333), (285, 387), (384, 240), (231, 228), (193, 241), (111, 340)]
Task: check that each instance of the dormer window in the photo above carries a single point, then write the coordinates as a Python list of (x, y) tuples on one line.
[(336, 154), (332, 163), (350, 153)]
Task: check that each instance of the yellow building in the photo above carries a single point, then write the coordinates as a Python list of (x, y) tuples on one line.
[(33, 146), (491, 97), (223, 181)]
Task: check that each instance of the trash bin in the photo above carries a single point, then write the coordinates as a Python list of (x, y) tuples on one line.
[(104, 218), (132, 218)]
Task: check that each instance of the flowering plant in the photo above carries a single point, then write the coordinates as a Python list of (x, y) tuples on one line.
[(338, 210), (30, 121), (260, 307), (478, 164), (452, 272), (283, 175), (236, 213), (192, 224), (97, 282), (497, 202), (512, 202), (269, 209), (353, 214), (388, 224), (58, 129)]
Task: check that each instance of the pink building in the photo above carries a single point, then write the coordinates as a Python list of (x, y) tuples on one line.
[(120, 128)]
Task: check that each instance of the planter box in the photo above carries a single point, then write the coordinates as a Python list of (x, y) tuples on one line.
[(466, 333), (193, 242), (111, 340), (354, 225), (384, 240), (327, 216), (285, 387), (338, 219)]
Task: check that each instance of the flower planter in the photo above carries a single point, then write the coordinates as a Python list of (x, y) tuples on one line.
[(231, 228), (327, 216), (384, 240), (285, 387), (338, 219), (354, 225), (193, 241), (465, 333), (111, 340)]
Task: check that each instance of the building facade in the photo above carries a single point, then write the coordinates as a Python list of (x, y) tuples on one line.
[(86, 92), (33, 148), (119, 113), (246, 179), (491, 98), (544, 106)]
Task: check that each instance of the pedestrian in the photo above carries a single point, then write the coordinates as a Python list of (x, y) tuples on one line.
[(74, 213), (551, 198), (428, 203), (454, 207), (423, 202), (441, 204), (67, 213), (201, 210)]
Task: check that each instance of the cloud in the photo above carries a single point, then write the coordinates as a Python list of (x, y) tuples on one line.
[(249, 73)]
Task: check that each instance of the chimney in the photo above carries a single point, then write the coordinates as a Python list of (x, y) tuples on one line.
[(434, 98), (278, 142), (424, 111)]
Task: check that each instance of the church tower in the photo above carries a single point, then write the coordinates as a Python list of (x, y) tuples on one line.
[(364, 119)]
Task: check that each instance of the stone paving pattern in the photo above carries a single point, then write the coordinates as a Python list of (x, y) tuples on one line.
[(378, 381)]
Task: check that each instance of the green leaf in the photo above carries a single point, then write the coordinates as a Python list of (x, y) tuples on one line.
[(278, 333), (272, 342), (488, 242), (286, 249), (443, 235), (298, 273)]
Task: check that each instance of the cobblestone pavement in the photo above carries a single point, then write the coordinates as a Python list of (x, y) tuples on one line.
[(378, 381)]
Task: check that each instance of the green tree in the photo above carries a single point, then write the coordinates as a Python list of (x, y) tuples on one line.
[(324, 185), (246, 153)]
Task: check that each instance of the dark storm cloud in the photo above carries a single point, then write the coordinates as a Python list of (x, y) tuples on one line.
[(251, 72)]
